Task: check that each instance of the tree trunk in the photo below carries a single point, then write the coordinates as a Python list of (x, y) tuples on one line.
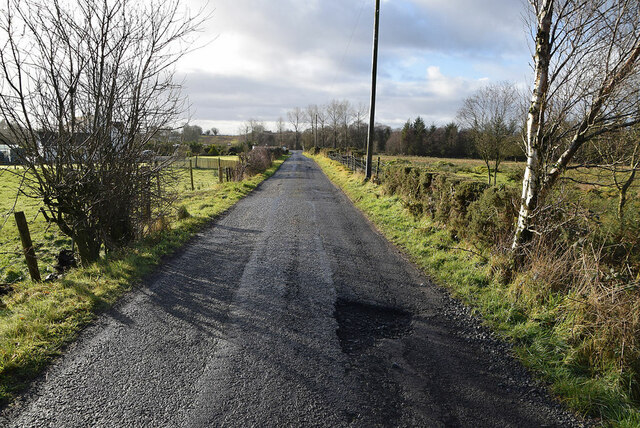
[(623, 192), (486, 162), (88, 247), (535, 123)]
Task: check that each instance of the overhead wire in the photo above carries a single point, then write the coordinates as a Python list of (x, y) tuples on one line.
[(346, 50)]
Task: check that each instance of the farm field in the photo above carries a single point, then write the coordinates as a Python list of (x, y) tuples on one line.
[(47, 239), (219, 140), (511, 172)]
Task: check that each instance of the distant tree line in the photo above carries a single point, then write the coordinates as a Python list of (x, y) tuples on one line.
[(343, 125), (450, 141)]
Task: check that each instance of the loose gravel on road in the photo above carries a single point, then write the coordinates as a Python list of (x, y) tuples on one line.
[(291, 310)]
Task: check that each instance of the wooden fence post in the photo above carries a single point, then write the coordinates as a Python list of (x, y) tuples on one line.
[(191, 174), (378, 167), (147, 202), (27, 245), (146, 213), (219, 170)]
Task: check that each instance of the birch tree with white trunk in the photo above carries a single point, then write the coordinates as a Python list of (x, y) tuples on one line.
[(586, 84)]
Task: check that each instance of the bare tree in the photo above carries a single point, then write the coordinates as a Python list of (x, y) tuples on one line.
[(84, 86), (296, 117), (619, 159), (311, 117), (322, 120), (491, 115), (281, 129), (334, 115), (191, 133), (360, 114), (346, 113), (586, 85), (255, 130)]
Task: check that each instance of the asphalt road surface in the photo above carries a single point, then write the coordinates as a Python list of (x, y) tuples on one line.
[(291, 310)]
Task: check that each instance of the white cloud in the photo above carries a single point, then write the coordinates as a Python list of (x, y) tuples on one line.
[(268, 56)]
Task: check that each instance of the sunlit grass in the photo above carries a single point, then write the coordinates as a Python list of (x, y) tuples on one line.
[(37, 320), (46, 237)]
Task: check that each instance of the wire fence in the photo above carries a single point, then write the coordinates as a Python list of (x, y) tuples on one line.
[(48, 240), (359, 164)]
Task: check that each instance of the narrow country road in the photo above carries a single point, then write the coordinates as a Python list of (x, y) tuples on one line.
[(290, 311)]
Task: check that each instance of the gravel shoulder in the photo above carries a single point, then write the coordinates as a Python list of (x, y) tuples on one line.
[(291, 310)]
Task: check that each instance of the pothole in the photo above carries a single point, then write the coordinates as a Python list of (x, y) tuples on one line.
[(361, 325)]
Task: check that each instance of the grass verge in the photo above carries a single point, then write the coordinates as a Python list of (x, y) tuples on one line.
[(539, 324), (38, 320)]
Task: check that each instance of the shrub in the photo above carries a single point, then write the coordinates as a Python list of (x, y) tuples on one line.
[(183, 212), (443, 192), (12, 276), (464, 194), (515, 175), (491, 217), (257, 160)]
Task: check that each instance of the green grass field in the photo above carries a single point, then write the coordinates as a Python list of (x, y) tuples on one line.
[(476, 169), (47, 239), (510, 172)]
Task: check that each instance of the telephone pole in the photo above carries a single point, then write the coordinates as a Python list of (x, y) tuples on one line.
[(372, 107), (316, 134)]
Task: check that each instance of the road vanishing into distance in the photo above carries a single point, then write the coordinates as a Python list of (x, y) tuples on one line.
[(291, 310)]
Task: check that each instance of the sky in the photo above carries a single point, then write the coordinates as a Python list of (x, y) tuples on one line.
[(259, 59)]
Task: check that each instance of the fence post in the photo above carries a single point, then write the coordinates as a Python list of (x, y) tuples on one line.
[(27, 245), (146, 208), (196, 161), (378, 167), (219, 170), (191, 173)]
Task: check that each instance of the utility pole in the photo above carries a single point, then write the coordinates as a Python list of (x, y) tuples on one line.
[(372, 107), (316, 134)]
